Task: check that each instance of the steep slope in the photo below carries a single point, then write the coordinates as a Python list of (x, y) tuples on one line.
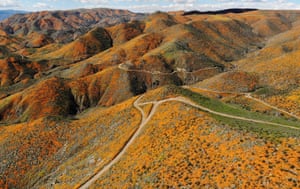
[(269, 23), (26, 105), (279, 59), (122, 33), (91, 43), (162, 50), (36, 40), (179, 53), (277, 68), (274, 68), (17, 69), (61, 143), (69, 114), (231, 82), (9, 44)]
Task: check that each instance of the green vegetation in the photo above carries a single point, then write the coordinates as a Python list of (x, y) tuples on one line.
[(67, 107), (268, 91), (270, 132), (263, 129)]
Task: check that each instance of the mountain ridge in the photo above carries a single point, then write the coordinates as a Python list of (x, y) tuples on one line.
[(67, 24), (216, 97)]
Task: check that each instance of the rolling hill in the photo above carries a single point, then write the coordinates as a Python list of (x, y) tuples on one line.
[(101, 98), (65, 26)]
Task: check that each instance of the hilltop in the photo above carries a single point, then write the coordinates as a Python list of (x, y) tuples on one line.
[(106, 98), (65, 26)]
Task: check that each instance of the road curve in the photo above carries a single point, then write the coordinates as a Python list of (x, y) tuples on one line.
[(247, 95), (145, 120)]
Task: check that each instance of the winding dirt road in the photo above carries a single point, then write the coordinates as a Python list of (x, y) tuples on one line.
[(247, 95), (122, 67), (145, 119)]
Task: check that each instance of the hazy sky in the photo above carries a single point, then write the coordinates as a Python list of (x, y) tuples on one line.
[(148, 5)]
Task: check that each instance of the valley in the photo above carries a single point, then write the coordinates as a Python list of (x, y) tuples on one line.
[(106, 98)]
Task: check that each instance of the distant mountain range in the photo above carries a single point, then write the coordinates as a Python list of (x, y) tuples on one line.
[(64, 26), (7, 13)]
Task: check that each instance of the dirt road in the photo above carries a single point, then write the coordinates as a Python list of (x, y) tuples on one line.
[(145, 119)]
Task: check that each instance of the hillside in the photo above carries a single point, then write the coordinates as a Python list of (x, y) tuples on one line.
[(83, 47), (167, 137), (65, 26), (101, 98)]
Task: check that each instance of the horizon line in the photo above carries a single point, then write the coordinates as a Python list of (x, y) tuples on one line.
[(157, 10)]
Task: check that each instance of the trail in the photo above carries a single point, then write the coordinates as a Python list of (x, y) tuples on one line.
[(271, 106), (145, 119), (186, 101), (247, 95), (122, 67)]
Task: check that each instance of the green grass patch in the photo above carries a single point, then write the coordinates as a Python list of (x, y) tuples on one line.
[(269, 132), (264, 129), (269, 91)]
